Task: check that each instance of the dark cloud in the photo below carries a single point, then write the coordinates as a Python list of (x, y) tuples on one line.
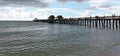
[(30, 3), (79, 1)]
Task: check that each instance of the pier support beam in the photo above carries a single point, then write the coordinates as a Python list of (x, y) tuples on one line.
[(90, 21), (106, 22), (109, 23), (119, 23), (113, 23), (116, 23)]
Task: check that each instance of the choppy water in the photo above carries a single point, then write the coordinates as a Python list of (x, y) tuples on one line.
[(42, 39)]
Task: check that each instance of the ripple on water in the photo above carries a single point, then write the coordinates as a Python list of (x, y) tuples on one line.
[(39, 39)]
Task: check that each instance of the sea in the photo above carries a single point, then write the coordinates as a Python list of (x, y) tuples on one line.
[(27, 38)]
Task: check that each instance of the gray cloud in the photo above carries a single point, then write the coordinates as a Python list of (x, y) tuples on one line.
[(30, 3), (79, 1), (33, 3), (91, 8), (100, 6), (105, 6)]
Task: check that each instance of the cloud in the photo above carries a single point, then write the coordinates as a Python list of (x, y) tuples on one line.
[(11, 12), (29, 9), (21, 13), (79, 1), (99, 6), (105, 6), (86, 13), (49, 1), (112, 9), (33, 3), (29, 3), (98, 1), (91, 8)]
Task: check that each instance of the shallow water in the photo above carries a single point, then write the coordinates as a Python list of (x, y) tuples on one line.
[(42, 39)]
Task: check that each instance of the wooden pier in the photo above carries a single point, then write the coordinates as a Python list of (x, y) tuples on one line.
[(110, 22)]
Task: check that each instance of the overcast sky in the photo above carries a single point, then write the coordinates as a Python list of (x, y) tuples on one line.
[(30, 9)]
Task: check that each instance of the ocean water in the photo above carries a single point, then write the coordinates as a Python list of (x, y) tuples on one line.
[(43, 39)]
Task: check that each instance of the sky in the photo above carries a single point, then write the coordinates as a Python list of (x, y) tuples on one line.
[(30, 9)]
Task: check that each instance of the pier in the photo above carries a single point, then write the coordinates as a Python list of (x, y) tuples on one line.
[(110, 22)]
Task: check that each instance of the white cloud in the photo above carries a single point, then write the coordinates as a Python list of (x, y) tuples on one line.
[(32, 11), (13, 12), (21, 13), (98, 1), (78, 1), (86, 13), (113, 9), (49, 1), (103, 7)]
